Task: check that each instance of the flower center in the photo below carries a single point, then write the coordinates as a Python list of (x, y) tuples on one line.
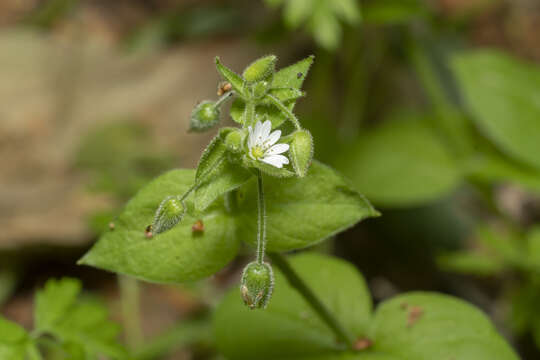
[(257, 152)]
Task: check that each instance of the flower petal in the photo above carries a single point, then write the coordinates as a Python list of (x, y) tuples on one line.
[(277, 149), (265, 130), (276, 160), (272, 138)]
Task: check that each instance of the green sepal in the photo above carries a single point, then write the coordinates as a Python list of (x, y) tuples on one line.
[(301, 151), (261, 69), (238, 84), (204, 116), (235, 140), (256, 285), (267, 168)]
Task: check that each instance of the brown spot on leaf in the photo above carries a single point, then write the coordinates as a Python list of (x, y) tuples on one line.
[(197, 227), (362, 344), (415, 314), (404, 306), (111, 226), (148, 231)]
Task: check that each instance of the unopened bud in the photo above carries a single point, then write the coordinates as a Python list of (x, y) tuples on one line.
[(204, 116), (261, 69), (257, 285), (301, 151), (234, 141), (170, 212)]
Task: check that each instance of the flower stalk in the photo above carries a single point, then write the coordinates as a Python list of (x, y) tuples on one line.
[(261, 219)]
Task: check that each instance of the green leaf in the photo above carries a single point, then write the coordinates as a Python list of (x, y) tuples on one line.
[(226, 177), (533, 247), (13, 340), (291, 77), (302, 211), (321, 17), (386, 12), (413, 326), (288, 327), (216, 174), (470, 263), (234, 79), (401, 163), (53, 302), (444, 328), (502, 94), (267, 168), (84, 323), (177, 255)]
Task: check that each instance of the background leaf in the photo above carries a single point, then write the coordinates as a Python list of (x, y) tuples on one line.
[(13, 340), (442, 327), (177, 255), (400, 163), (302, 212), (502, 94)]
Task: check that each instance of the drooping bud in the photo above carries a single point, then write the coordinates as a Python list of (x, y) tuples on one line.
[(257, 285), (170, 212), (234, 141), (204, 116), (301, 151), (261, 69)]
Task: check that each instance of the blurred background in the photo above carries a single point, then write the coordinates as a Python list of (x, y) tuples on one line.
[(430, 107)]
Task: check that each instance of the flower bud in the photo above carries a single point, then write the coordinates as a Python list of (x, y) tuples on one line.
[(257, 285), (301, 151), (204, 116), (170, 212), (234, 141), (261, 69), (260, 88)]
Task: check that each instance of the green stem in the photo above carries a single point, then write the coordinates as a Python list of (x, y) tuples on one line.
[(198, 183), (249, 113), (130, 296), (285, 111), (225, 97), (261, 220), (296, 282)]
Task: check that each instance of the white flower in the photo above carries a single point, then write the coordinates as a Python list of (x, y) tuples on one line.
[(261, 145)]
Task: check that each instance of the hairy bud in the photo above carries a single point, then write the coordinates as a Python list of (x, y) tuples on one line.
[(170, 212), (204, 116), (261, 69), (234, 141), (301, 151), (257, 285)]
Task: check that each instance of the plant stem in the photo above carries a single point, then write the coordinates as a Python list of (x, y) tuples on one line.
[(130, 296), (261, 219), (225, 97), (249, 113), (296, 282), (285, 110)]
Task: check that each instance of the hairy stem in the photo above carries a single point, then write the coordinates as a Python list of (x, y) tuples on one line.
[(296, 282), (130, 295), (224, 98), (292, 118), (261, 219), (249, 113)]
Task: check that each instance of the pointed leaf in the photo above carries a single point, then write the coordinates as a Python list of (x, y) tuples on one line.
[(174, 256), (234, 79), (302, 211)]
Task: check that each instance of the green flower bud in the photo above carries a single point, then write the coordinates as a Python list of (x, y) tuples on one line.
[(234, 141), (261, 69), (301, 151), (259, 89), (257, 285), (170, 212), (204, 116)]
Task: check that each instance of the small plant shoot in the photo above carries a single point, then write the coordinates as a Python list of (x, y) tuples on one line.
[(257, 183)]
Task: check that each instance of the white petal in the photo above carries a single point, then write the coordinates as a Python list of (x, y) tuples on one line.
[(276, 160), (277, 149), (265, 130), (272, 138), (257, 131)]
